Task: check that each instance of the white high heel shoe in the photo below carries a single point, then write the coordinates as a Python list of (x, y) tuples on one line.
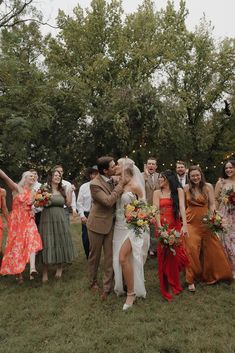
[(128, 306)]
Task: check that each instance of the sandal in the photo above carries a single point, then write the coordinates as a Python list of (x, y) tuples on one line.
[(33, 274), (127, 306), (191, 287)]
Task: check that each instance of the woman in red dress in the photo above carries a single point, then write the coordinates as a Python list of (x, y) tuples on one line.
[(169, 200), (23, 239)]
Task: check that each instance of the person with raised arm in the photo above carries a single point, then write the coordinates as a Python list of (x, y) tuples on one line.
[(23, 240)]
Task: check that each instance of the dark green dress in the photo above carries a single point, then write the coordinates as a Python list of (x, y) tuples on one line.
[(54, 230)]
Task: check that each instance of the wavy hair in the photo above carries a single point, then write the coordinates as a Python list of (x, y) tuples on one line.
[(202, 184), (174, 185), (223, 174), (60, 187)]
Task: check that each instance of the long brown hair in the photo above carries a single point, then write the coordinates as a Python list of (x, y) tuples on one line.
[(60, 187), (202, 184)]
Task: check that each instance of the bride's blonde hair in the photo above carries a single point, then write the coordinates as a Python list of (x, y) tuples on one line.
[(130, 168), (128, 165)]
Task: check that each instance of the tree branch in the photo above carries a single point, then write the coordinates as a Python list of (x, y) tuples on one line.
[(33, 20), (14, 12)]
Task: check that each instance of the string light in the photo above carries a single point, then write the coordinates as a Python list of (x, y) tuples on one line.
[(228, 156)]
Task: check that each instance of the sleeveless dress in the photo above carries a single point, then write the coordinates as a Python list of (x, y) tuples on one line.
[(23, 237), (208, 261), (228, 238), (1, 221), (139, 246), (169, 264), (54, 229)]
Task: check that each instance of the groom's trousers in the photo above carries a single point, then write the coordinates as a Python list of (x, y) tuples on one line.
[(97, 242)]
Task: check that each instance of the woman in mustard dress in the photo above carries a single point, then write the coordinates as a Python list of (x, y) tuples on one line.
[(208, 261)]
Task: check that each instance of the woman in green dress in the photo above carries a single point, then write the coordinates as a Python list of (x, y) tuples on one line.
[(54, 229)]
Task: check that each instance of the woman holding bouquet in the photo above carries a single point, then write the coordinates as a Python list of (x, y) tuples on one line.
[(208, 261), (225, 203), (54, 229), (129, 250), (172, 258), (23, 239)]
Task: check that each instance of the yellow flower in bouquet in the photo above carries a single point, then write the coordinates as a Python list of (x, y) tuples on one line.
[(139, 216), (215, 222), (168, 238)]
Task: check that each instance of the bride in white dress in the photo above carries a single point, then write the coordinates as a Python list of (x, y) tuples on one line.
[(129, 251)]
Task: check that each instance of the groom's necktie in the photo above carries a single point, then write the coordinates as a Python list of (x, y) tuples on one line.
[(111, 183)]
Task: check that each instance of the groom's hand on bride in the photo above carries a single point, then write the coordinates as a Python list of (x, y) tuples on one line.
[(123, 181)]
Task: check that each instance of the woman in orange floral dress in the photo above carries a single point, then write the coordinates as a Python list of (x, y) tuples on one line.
[(4, 211), (23, 239)]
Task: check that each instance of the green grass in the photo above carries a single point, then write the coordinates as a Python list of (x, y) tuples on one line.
[(64, 316)]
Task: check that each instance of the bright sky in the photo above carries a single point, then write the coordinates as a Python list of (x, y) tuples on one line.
[(220, 13)]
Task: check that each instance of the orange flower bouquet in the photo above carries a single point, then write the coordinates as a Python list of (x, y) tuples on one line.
[(168, 238), (42, 197), (215, 222), (228, 197), (139, 216)]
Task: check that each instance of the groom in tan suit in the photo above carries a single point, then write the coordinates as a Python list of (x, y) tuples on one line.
[(100, 222)]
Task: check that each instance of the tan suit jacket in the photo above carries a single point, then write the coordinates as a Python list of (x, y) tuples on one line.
[(150, 186), (104, 198)]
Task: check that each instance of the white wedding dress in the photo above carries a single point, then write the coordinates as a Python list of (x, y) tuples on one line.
[(140, 246)]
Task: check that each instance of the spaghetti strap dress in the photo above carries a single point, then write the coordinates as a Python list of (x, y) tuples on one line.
[(23, 238), (170, 264)]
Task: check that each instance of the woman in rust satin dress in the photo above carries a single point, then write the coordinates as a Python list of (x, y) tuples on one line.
[(208, 261)]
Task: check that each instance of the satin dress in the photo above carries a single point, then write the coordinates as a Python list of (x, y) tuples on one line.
[(170, 264), (140, 246), (208, 261)]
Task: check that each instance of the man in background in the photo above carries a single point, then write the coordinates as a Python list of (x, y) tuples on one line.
[(151, 184), (84, 206), (181, 172)]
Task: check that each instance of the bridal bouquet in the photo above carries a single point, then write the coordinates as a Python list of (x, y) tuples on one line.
[(215, 222), (42, 197), (139, 216), (228, 197), (168, 238)]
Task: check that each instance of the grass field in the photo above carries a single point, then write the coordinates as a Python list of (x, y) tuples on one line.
[(64, 316)]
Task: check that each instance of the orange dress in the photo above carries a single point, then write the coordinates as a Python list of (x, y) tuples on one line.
[(1, 221), (208, 261), (23, 237)]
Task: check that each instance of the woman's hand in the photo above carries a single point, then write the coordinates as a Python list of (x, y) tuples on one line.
[(184, 230)]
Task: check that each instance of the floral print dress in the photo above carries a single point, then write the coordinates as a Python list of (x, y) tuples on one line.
[(23, 237)]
